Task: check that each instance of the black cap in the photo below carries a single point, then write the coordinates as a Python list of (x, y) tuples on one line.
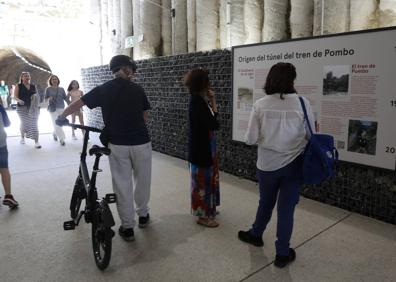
[(121, 61)]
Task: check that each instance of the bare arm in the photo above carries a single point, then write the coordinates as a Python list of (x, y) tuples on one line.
[(73, 107), (16, 95)]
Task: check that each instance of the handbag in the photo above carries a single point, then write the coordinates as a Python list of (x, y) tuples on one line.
[(52, 103), (320, 156)]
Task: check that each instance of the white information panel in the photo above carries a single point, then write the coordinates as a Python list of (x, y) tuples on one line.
[(350, 80)]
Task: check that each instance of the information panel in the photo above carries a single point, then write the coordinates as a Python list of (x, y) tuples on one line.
[(350, 80)]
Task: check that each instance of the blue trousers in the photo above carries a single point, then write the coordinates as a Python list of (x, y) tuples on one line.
[(283, 185)]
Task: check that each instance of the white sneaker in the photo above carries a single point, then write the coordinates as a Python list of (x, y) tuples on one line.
[(37, 145), (22, 141)]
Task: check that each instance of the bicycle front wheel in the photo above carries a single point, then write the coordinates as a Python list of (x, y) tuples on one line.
[(101, 243)]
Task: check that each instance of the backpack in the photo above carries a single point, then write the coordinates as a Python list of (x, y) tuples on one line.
[(320, 156)]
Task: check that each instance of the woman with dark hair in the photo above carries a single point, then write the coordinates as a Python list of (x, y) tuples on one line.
[(205, 193), (57, 96), (74, 93), (277, 126), (26, 95)]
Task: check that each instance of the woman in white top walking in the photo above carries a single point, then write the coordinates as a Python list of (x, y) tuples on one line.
[(277, 126), (56, 95)]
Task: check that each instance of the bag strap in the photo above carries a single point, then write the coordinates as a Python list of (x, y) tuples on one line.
[(305, 114)]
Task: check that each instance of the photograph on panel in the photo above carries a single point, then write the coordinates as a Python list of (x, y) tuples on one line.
[(245, 99), (362, 136), (336, 80)]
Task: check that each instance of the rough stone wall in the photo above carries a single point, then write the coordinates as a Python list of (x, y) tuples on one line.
[(366, 190), (336, 16), (191, 25), (166, 28), (179, 27), (237, 22), (387, 13), (207, 24), (301, 18), (137, 27), (223, 27), (150, 20), (126, 25), (363, 14), (253, 20), (275, 20)]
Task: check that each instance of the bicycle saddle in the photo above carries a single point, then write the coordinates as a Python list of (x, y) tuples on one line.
[(99, 150)]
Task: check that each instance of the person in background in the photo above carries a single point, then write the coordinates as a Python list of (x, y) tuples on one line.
[(27, 99), (56, 95), (277, 126), (4, 171), (202, 155), (73, 94), (125, 108), (4, 93)]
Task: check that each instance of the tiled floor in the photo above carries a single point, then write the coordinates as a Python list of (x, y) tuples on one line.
[(332, 244)]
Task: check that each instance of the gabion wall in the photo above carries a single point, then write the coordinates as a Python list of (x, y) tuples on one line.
[(362, 189)]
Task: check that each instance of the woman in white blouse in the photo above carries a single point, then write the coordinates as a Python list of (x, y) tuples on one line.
[(277, 126)]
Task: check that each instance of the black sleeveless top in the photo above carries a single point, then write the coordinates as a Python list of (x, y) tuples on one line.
[(26, 94)]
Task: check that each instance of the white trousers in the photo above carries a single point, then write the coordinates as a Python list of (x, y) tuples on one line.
[(4, 100), (130, 168), (58, 131)]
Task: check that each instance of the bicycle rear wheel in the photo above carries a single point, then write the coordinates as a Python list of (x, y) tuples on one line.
[(101, 243), (78, 195)]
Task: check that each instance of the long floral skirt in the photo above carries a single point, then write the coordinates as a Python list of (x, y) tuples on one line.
[(205, 188)]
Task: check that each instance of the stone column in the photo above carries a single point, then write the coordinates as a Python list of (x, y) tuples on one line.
[(363, 14), (237, 22), (179, 26), (191, 25), (112, 31), (126, 24), (150, 17), (94, 32), (387, 13), (253, 13), (317, 18), (224, 25), (207, 24), (301, 18), (336, 16), (275, 12), (117, 25), (105, 42), (136, 28), (166, 28)]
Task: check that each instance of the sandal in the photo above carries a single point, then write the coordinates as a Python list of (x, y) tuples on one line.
[(207, 222)]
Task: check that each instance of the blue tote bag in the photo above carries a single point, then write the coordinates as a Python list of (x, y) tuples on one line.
[(320, 155)]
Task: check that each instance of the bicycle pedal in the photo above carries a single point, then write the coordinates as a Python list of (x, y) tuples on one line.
[(69, 225), (111, 198)]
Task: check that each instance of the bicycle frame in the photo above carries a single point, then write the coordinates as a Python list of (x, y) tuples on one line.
[(89, 183), (96, 212)]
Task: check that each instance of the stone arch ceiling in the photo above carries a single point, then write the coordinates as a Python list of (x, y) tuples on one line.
[(12, 66)]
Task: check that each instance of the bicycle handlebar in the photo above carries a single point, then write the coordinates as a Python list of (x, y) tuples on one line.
[(84, 127), (64, 121)]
